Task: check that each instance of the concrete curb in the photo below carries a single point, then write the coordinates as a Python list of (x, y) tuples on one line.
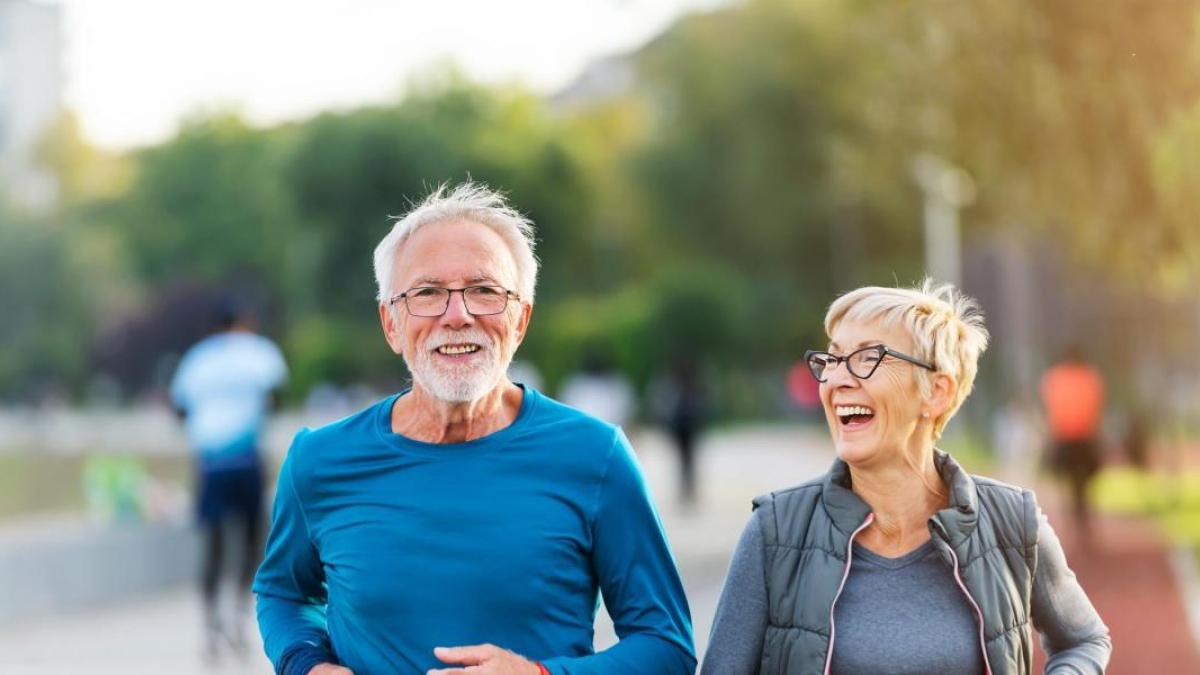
[(1187, 577), (80, 564)]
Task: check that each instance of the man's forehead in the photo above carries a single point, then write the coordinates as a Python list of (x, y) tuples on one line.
[(478, 277), (455, 252)]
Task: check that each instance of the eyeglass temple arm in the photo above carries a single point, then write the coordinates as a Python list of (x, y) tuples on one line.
[(911, 359)]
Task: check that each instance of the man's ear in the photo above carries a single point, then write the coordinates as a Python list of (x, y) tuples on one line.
[(391, 328), (941, 395), (523, 321)]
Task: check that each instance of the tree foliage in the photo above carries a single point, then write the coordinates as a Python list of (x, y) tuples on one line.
[(760, 163)]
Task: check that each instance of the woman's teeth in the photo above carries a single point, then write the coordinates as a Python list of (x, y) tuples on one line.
[(853, 413), (847, 410)]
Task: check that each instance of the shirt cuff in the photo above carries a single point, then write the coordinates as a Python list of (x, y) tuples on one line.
[(303, 657)]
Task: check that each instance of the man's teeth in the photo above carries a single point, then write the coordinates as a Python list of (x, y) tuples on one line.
[(847, 410), (457, 349)]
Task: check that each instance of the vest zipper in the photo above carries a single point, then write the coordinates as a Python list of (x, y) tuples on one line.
[(845, 575), (987, 666)]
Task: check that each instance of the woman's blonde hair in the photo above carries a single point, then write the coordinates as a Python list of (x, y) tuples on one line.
[(946, 328)]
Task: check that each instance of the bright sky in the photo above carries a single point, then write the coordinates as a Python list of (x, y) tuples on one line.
[(134, 67)]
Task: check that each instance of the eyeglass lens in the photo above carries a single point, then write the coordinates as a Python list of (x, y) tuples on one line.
[(862, 363), (480, 300)]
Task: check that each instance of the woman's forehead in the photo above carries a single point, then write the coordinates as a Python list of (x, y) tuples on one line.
[(851, 334)]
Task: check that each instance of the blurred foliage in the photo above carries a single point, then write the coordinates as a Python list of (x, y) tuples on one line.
[(760, 163), (45, 313), (1171, 499)]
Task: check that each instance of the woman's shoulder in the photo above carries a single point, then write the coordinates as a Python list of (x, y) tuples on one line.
[(807, 490), (1011, 508), (991, 489), (784, 515)]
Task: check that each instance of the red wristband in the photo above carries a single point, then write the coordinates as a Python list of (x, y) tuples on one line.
[(542, 670)]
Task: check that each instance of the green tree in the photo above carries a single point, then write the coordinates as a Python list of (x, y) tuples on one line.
[(47, 317), (209, 204)]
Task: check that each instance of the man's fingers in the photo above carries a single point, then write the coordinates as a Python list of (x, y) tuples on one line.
[(452, 671), (471, 655)]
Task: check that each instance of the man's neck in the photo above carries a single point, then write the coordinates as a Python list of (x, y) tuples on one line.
[(903, 498), (421, 417)]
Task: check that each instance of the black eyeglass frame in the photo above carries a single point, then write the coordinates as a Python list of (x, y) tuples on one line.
[(449, 294), (882, 350)]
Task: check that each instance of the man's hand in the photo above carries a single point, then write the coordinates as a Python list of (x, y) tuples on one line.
[(483, 660), (329, 669)]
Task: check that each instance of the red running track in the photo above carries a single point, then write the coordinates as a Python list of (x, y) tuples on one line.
[(1128, 576)]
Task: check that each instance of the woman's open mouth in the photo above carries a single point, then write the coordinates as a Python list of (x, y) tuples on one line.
[(854, 417)]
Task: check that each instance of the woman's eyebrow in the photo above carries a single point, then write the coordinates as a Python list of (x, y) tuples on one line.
[(863, 343)]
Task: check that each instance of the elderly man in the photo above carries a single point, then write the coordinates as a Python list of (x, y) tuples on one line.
[(465, 525)]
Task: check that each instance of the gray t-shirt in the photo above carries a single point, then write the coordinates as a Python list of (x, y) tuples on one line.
[(904, 616), (901, 624)]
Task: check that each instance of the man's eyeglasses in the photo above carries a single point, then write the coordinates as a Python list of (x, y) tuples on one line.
[(861, 363), (434, 301)]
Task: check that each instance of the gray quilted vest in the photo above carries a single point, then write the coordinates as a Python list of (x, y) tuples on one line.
[(989, 533)]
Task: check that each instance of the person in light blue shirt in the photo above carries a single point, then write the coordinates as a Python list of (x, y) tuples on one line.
[(467, 524), (222, 389)]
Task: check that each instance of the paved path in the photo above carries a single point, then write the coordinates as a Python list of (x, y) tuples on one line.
[(1129, 580)]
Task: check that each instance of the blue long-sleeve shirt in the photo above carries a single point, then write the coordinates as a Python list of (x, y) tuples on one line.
[(382, 548)]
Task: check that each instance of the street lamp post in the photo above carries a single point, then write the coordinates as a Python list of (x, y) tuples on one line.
[(947, 189)]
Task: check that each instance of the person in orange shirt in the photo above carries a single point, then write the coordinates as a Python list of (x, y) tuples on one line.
[(1073, 395)]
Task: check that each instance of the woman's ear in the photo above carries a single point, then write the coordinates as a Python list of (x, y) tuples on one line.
[(941, 396)]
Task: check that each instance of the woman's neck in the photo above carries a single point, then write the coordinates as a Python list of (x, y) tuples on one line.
[(903, 495)]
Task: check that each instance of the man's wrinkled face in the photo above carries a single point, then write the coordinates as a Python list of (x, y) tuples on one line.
[(455, 357)]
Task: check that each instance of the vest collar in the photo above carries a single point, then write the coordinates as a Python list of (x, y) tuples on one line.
[(955, 522)]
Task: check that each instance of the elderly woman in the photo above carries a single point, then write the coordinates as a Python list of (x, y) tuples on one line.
[(897, 560)]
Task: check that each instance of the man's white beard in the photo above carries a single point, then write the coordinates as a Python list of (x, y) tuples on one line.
[(458, 383)]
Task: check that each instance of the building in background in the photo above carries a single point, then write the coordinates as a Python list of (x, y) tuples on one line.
[(31, 85)]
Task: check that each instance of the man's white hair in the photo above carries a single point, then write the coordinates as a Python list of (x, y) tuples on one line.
[(467, 201), (946, 327)]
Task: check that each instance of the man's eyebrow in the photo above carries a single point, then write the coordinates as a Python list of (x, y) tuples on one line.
[(477, 278)]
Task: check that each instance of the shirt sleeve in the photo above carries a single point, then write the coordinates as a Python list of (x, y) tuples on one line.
[(290, 586), (1075, 639), (637, 576), (735, 644)]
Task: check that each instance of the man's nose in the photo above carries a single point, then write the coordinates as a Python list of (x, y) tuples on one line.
[(456, 314)]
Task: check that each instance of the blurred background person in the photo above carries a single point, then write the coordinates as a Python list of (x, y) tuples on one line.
[(1136, 441), (804, 391), (1017, 438), (601, 390), (1073, 396), (897, 529), (526, 372), (223, 390), (680, 401)]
